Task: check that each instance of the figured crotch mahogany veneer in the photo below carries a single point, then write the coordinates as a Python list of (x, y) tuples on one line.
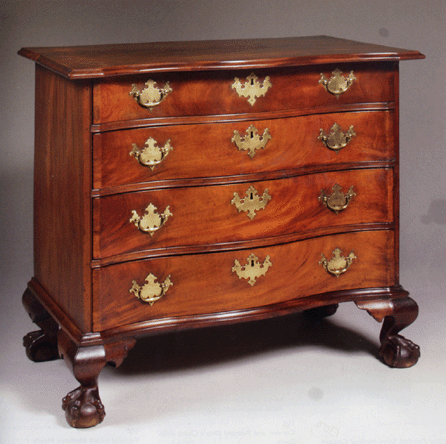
[(185, 185)]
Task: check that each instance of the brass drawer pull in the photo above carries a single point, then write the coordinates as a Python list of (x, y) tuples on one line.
[(151, 221), (252, 202), (336, 139), (150, 96), (253, 268), (337, 201), (252, 141), (337, 84), (151, 155), (252, 88), (338, 264), (151, 291)]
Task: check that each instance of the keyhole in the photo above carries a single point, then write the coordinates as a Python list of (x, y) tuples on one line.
[(252, 82), (252, 134), (252, 196), (252, 263)]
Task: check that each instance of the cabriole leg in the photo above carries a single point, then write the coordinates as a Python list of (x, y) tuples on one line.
[(83, 407), (41, 345), (396, 350)]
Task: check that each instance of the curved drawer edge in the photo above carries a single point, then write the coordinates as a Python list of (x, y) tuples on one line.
[(158, 326), (253, 243), (226, 118)]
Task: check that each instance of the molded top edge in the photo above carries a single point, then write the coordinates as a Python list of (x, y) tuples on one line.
[(97, 61)]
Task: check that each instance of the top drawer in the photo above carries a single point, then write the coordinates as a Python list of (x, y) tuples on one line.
[(218, 93)]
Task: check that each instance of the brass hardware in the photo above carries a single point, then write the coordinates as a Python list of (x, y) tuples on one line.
[(252, 140), (252, 88), (337, 84), (151, 155), (150, 96), (151, 291), (252, 202), (151, 221), (336, 139), (253, 269), (337, 264), (337, 201)]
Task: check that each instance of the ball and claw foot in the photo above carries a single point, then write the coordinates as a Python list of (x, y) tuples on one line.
[(399, 352), (83, 407), (40, 347)]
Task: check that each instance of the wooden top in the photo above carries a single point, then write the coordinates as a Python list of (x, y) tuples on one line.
[(110, 60)]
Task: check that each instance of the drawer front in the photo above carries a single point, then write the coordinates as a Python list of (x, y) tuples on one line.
[(210, 283), (212, 93), (237, 212), (186, 151)]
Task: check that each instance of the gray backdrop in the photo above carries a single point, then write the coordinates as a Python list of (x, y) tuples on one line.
[(408, 24), (411, 24)]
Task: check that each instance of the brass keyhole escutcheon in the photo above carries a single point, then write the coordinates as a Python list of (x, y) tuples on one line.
[(252, 88), (252, 202), (253, 268), (251, 141)]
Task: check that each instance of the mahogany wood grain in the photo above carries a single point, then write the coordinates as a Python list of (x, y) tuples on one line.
[(87, 253), (200, 94), (157, 326), (62, 184), (205, 283), (118, 59), (207, 150), (241, 117), (205, 215)]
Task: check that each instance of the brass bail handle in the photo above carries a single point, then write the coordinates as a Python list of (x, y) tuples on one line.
[(151, 221), (151, 291), (337, 201), (336, 139), (338, 264), (151, 155), (151, 95), (337, 84)]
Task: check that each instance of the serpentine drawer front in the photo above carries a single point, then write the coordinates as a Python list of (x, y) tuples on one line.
[(141, 156), (187, 185), (246, 91), (240, 212)]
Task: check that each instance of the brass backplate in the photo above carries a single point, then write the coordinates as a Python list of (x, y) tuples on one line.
[(252, 269), (252, 88)]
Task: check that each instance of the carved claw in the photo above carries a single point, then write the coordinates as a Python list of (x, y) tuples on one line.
[(83, 407), (41, 345), (396, 350), (399, 352)]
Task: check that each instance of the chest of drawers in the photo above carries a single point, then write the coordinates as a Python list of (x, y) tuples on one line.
[(186, 185)]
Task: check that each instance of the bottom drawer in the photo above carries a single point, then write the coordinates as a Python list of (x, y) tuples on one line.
[(215, 283)]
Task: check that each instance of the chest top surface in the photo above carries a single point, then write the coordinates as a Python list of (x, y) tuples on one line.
[(97, 61)]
